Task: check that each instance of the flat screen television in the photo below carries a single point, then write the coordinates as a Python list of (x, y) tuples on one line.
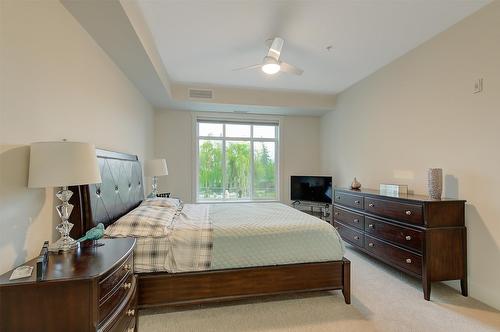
[(311, 189)]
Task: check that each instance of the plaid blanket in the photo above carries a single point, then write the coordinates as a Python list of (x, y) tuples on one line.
[(191, 240), (168, 239)]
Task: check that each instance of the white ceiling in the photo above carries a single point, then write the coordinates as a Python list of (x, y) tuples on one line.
[(202, 41)]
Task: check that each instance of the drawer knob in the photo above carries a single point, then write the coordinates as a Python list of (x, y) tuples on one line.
[(370, 225), (371, 205), (337, 213), (130, 312), (127, 267), (408, 212), (357, 202), (408, 261), (356, 220), (408, 238), (356, 237), (127, 285), (370, 244), (338, 197)]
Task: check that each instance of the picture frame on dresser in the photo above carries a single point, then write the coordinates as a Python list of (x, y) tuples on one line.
[(420, 236)]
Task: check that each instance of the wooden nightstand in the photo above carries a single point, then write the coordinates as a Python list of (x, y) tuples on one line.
[(88, 289)]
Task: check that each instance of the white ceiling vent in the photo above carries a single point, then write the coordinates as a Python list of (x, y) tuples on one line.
[(201, 93)]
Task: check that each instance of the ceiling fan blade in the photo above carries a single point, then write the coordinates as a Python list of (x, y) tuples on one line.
[(291, 69), (248, 67), (275, 49)]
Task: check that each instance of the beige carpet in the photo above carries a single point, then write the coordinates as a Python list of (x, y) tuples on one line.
[(383, 299)]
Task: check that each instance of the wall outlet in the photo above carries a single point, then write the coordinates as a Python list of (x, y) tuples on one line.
[(478, 86)]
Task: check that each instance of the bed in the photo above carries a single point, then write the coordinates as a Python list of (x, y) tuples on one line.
[(251, 252)]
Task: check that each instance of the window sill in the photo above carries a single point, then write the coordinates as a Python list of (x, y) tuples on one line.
[(238, 201)]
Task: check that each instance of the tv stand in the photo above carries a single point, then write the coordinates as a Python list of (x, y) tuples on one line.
[(320, 210)]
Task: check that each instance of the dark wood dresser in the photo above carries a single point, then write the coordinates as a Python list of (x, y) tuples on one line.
[(87, 289), (423, 237)]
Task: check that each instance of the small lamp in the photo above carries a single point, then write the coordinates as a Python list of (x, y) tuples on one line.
[(155, 168), (63, 164)]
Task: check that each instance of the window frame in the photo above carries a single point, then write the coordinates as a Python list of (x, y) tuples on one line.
[(223, 139)]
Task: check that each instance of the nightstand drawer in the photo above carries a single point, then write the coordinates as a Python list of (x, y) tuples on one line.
[(119, 295), (124, 319), (115, 279), (349, 235), (404, 236), (349, 218), (350, 200), (411, 213), (400, 257)]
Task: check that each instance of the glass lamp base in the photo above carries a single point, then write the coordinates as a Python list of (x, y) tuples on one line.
[(63, 244)]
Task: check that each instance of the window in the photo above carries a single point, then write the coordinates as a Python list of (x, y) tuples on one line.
[(236, 161)]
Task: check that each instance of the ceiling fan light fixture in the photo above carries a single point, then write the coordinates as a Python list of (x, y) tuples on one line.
[(271, 68)]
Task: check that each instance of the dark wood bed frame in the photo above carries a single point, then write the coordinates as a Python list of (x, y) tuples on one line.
[(122, 190)]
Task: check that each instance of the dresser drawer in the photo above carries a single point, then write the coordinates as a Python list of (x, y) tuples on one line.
[(351, 200), (116, 278), (411, 213), (349, 218), (400, 257), (119, 295), (404, 236), (350, 235)]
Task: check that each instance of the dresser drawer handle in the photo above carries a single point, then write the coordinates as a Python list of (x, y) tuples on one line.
[(356, 237), (408, 212), (338, 198), (130, 312), (371, 205), (356, 220), (127, 267), (370, 225), (370, 244), (408, 238), (408, 261), (127, 285)]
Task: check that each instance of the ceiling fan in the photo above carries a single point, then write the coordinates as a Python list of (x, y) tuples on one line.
[(271, 64)]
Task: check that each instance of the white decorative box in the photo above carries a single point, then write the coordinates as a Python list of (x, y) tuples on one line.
[(393, 189)]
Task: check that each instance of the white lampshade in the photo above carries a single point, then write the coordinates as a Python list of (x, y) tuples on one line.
[(155, 167), (58, 164)]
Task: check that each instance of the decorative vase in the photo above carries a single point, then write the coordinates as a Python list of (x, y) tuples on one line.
[(355, 184), (435, 182)]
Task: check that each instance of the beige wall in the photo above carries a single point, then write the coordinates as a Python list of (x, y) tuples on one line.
[(55, 83), (299, 149), (419, 112)]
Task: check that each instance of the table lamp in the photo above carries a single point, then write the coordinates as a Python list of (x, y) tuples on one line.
[(63, 164), (155, 168)]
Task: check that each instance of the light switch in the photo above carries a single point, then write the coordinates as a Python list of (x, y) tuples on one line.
[(478, 86)]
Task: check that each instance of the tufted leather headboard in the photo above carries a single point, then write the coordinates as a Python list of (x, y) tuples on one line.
[(121, 191)]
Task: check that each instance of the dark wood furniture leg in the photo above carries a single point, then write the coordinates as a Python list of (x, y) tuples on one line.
[(464, 282), (426, 285), (346, 287)]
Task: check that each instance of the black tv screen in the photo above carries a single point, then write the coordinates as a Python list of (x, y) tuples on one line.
[(311, 188)]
